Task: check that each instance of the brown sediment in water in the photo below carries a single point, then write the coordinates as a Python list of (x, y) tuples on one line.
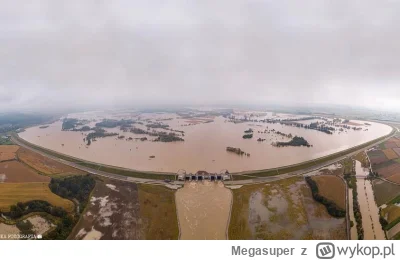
[(204, 147), (369, 209), (353, 230), (203, 210)]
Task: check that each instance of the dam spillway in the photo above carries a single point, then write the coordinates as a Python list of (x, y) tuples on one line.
[(203, 175)]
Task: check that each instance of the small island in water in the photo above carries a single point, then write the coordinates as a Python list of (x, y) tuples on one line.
[(296, 141), (238, 151)]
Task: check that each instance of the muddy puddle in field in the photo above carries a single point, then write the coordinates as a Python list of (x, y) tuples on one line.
[(286, 210)]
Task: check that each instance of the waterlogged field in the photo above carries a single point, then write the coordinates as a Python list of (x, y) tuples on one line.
[(384, 191), (124, 210), (207, 133), (281, 210)]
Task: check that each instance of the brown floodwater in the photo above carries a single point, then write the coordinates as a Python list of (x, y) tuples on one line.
[(203, 210), (204, 147), (369, 209), (353, 230)]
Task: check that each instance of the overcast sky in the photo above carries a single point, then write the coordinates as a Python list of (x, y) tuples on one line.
[(63, 54)]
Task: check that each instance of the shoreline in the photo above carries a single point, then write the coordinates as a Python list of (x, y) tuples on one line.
[(121, 171)]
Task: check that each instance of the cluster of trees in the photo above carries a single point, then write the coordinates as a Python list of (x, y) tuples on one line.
[(74, 188), (83, 129), (5, 141), (21, 209), (238, 151), (138, 131), (25, 226), (64, 224), (283, 134), (333, 209), (157, 125), (296, 141), (111, 123), (171, 137), (69, 124), (357, 212), (161, 136), (249, 131), (247, 136), (321, 128), (98, 133), (305, 118), (351, 183)]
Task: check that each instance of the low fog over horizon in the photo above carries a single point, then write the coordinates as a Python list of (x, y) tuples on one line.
[(74, 55)]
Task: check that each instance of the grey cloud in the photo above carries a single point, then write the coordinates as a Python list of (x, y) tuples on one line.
[(65, 54)]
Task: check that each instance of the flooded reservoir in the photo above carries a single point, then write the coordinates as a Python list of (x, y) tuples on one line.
[(369, 209), (203, 210), (205, 142)]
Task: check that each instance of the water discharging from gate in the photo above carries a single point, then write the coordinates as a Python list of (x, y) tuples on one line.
[(203, 210)]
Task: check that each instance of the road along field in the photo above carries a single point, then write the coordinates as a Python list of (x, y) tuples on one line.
[(44, 164), (282, 210), (12, 193), (16, 172), (7, 152), (332, 188), (124, 210)]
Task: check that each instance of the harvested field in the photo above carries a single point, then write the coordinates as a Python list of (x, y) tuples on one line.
[(384, 165), (391, 213), (124, 210), (332, 188), (281, 210), (376, 157), (396, 141), (390, 154), (7, 152), (390, 144), (395, 178), (44, 164), (12, 193), (397, 151), (384, 191), (16, 172), (388, 171)]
